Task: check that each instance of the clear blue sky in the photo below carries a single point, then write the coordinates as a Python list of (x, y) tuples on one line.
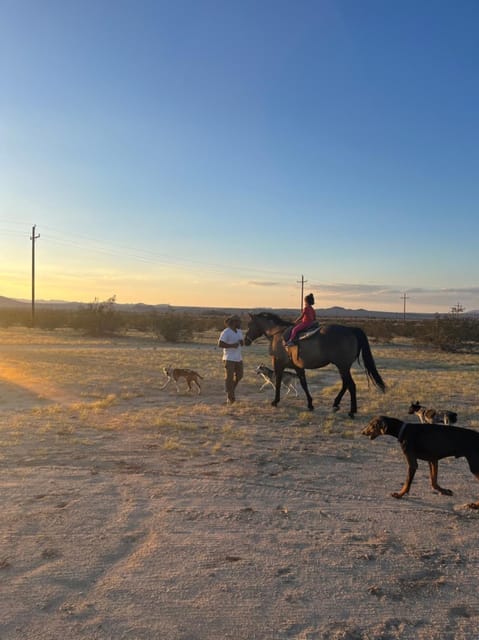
[(212, 152)]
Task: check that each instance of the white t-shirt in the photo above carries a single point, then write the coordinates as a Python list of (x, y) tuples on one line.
[(231, 337)]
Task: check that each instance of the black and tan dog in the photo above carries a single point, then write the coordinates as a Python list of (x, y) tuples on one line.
[(432, 416), (188, 374), (430, 442)]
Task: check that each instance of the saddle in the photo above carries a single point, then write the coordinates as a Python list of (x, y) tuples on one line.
[(302, 335)]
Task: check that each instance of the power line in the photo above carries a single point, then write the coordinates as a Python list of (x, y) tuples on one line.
[(122, 251), (85, 242), (152, 257)]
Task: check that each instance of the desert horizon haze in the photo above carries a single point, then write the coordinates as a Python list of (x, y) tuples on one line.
[(212, 291), (334, 311)]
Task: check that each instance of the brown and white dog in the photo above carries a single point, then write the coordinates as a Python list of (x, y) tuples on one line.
[(176, 374), (431, 416)]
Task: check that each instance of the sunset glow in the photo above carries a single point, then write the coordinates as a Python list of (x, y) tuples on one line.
[(217, 169)]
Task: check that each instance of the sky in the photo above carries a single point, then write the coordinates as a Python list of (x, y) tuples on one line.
[(217, 152)]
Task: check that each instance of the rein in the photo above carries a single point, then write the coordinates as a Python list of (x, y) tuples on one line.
[(277, 332), (271, 335)]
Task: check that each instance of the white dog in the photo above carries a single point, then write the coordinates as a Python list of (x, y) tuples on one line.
[(288, 380)]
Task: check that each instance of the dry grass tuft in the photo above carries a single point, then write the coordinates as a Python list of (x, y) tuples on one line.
[(71, 385)]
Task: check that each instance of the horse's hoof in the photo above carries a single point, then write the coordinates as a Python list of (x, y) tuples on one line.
[(335, 409), (311, 408), (274, 403), (351, 415)]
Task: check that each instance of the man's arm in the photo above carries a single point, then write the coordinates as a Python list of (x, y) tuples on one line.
[(229, 345)]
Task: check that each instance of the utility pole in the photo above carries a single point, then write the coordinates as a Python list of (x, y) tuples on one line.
[(33, 237), (404, 297), (302, 282)]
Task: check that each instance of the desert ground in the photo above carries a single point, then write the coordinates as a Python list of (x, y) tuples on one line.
[(135, 512)]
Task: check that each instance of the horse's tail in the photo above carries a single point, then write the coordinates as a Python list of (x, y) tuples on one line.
[(368, 360)]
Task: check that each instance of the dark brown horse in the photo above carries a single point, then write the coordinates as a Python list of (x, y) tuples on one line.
[(332, 344)]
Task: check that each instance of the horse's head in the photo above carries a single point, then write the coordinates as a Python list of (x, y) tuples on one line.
[(254, 330), (264, 324)]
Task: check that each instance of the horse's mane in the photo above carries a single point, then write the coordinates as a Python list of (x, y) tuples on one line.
[(274, 319)]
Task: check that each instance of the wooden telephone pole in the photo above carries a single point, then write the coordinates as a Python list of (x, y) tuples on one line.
[(302, 282), (404, 297), (33, 237)]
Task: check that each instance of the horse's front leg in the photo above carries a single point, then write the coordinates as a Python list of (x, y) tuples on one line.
[(302, 378), (278, 378)]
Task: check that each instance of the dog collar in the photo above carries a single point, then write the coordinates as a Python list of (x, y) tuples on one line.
[(401, 431)]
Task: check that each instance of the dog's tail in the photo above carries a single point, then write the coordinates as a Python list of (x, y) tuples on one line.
[(194, 373), (368, 360)]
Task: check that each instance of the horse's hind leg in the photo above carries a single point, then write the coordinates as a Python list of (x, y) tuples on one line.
[(348, 385), (339, 397), (352, 393)]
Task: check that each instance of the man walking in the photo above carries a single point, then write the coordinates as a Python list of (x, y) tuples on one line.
[(231, 341)]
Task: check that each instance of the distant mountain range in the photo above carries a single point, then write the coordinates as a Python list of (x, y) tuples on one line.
[(331, 312), (10, 303)]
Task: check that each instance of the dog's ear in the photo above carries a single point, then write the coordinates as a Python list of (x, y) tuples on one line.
[(381, 424)]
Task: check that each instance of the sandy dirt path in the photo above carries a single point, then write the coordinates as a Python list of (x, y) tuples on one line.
[(247, 524)]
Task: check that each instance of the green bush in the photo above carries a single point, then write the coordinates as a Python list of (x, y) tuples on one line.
[(99, 318), (450, 333), (11, 317), (173, 327), (102, 318), (51, 319)]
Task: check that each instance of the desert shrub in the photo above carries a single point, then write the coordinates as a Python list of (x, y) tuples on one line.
[(447, 333), (52, 318), (450, 333), (173, 327), (380, 330), (139, 321), (11, 317), (99, 318)]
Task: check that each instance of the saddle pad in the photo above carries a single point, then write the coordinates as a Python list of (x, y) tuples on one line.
[(309, 333)]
